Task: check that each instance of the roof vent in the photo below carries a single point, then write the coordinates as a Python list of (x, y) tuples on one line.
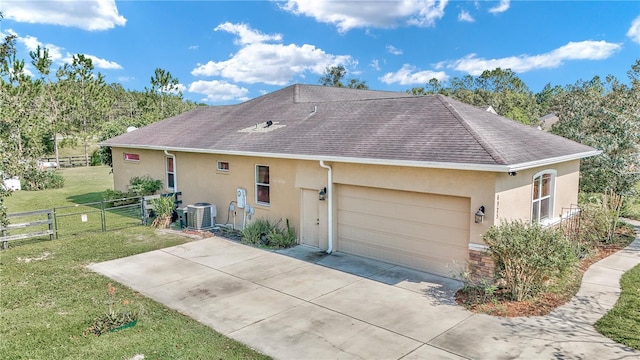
[(262, 127)]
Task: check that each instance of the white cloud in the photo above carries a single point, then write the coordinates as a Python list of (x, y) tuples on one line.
[(584, 50), (634, 30), (194, 47), (393, 50), (90, 15), (217, 91), (502, 7), (375, 64), (408, 76), (103, 64), (465, 16), (31, 43), (347, 15), (273, 64), (246, 35), (124, 79)]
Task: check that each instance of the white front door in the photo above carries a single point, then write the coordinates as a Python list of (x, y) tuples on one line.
[(310, 222)]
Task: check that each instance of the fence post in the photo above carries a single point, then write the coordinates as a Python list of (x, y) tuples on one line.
[(142, 211), (103, 217), (5, 244), (50, 218), (55, 223)]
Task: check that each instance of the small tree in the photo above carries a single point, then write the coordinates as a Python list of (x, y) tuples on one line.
[(334, 75)]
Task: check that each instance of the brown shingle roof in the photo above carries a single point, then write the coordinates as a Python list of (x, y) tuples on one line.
[(339, 124)]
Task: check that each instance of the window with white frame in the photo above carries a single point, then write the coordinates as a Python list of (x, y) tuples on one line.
[(262, 185), (223, 166), (543, 196), (171, 175), (131, 157)]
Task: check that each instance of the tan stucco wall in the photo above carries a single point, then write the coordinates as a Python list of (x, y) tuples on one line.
[(504, 197), (199, 181), (513, 193), (151, 163)]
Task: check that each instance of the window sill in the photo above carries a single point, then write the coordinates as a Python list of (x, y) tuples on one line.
[(557, 220)]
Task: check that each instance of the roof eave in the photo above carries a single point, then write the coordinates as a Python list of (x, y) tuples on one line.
[(373, 161)]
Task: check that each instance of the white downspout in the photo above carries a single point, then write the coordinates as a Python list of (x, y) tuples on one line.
[(329, 206), (175, 173)]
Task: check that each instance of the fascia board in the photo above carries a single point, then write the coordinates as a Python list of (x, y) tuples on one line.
[(372, 161)]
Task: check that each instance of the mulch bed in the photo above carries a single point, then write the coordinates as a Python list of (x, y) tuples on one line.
[(500, 305)]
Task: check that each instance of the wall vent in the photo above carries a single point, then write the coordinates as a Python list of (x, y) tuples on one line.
[(201, 216)]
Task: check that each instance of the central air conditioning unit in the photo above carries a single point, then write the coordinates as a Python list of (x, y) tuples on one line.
[(201, 216)]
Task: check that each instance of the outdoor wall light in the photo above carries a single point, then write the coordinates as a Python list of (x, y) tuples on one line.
[(322, 194), (480, 215)]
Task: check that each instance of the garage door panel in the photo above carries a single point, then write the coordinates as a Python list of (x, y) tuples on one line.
[(397, 243), (416, 213), (404, 197), (429, 231), (422, 231), (439, 261)]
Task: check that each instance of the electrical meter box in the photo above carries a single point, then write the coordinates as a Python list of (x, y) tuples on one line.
[(241, 197)]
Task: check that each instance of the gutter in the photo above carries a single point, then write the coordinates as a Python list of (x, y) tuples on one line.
[(371, 161), (329, 206), (175, 173)]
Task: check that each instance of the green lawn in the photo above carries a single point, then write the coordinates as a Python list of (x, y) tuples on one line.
[(622, 323), (48, 297), (82, 185)]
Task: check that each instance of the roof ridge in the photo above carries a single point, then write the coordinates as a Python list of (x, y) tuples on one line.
[(492, 151)]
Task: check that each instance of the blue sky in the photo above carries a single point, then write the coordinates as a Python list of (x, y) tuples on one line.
[(228, 51)]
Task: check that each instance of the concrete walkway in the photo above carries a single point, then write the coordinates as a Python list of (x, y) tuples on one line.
[(302, 304)]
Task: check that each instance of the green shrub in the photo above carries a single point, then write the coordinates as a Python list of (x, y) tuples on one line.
[(528, 256), (282, 237), (268, 233), (163, 208), (599, 217), (34, 179), (138, 186), (96, 158), (594, 224), (631, 208), (144, 185), (256, 232), (54, 180)]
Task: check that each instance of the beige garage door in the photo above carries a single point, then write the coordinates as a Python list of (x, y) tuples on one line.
[(422, 231)]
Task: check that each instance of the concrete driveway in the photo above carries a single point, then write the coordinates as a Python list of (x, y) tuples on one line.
[(301, 304)]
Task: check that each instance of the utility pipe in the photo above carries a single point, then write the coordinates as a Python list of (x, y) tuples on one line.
[(175, 173), (329, 206)]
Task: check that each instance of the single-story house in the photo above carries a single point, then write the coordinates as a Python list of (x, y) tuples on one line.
[(384, 175)]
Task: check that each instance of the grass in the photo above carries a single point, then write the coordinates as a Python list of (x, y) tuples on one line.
[(622, 323), (82, 185), (48, 297)]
